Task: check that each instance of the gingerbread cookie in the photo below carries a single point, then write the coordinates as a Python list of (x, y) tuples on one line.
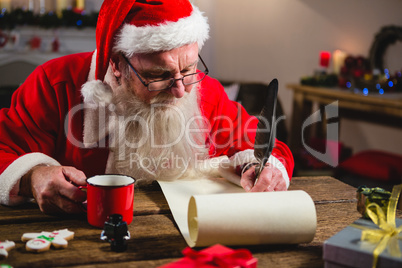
[(5, 247), (38, 242)]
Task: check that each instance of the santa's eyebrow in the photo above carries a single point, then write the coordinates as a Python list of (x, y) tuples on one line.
[(191, 65)]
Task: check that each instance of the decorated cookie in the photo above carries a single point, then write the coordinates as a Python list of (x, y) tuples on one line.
[(38, 242), (5, 247)]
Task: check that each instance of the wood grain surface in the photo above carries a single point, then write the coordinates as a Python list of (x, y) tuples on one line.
[(155, 238)]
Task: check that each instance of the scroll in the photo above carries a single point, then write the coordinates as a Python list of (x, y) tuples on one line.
[(211, 211)]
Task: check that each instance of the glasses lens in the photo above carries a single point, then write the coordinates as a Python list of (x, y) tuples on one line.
[(160, 85), (166, 84), (193, 78)]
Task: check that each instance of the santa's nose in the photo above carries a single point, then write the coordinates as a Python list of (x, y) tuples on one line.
[(178, 89)]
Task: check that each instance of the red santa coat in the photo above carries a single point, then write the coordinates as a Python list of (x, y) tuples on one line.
[(38, 128)]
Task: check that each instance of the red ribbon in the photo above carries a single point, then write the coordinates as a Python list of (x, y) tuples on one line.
[(234, 258)]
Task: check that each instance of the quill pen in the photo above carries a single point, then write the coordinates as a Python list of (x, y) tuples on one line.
[(266, 129)]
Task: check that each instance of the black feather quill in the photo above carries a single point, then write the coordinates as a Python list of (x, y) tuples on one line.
[(266, 132)]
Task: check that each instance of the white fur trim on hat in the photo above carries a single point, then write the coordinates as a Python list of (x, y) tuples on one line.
[(164, 37)]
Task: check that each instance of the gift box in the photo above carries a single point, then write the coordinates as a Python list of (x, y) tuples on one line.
[(346, 249), (215, 256)]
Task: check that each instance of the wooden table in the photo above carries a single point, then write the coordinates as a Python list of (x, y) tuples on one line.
[(156, 239), (305, 96)]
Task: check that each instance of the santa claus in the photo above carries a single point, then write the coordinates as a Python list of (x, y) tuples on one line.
[(141, 104)]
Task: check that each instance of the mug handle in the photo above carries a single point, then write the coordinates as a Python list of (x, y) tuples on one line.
[(83, 188), (84, 204)]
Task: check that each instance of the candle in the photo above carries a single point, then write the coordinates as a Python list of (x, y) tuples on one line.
[(61, 5), (338, 60), (324, 59), (5, 4), (81, 4)]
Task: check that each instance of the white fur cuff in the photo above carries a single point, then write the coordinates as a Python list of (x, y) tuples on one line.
[(9, 179), (247, 156)]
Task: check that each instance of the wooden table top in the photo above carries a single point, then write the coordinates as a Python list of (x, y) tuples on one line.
[(155, 239)]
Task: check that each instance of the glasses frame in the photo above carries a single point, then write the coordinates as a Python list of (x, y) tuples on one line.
[(173, 80)]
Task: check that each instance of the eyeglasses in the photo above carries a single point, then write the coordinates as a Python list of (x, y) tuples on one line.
[(165, 84)]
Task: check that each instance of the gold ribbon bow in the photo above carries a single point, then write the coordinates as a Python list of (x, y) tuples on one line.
[(388, 234)]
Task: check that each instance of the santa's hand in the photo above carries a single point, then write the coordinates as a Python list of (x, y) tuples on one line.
[(55, 188), (270, 179)]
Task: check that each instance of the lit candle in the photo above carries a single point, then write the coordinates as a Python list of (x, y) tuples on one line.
[(324, 59), (5, 4), (42, 7), (338, 60), (81, 4), (61, 5)]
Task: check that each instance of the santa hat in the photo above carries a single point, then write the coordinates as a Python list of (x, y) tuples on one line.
[(141, 26)]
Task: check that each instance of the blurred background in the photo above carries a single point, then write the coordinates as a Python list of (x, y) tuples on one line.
[(251, 43)]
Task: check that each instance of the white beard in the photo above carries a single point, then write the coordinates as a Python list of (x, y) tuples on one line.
[(163, 140)]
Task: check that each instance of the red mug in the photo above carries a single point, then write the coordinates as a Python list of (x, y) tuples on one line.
[(107, 195)]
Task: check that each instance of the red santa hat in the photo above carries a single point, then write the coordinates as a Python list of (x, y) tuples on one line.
[(142, 26)]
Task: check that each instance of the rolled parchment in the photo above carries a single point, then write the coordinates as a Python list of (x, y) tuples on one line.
[(251, 218), (210, 211)]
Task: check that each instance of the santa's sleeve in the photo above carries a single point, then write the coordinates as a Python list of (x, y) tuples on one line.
[(233, 130), (28, 131)]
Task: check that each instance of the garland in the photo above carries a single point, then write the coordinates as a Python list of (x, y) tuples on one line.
[(69, 18)]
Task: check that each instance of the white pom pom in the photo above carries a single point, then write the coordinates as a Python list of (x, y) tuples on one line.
[(96, 91)]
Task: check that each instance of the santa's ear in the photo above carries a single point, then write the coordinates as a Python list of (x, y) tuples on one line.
[(115, 61)]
